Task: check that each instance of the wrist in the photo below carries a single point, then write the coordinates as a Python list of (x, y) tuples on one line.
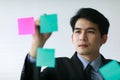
[(35, 46)]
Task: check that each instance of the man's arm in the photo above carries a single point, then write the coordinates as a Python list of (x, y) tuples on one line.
[(30, 71), (39, 39)]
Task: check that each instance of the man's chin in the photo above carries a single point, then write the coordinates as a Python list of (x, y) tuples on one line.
[(82, 53)]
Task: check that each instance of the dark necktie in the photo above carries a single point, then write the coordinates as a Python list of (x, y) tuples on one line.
[(88, 72)]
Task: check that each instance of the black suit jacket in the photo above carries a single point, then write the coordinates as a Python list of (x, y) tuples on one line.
[(65, 69)]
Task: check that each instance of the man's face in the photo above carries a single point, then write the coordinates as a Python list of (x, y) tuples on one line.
[(86, 37)]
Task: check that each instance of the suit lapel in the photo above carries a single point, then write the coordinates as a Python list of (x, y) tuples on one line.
[(104, 61), (78, 67)]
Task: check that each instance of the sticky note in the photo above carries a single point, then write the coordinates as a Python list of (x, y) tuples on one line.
[(111, 71), (26, 26), (48, 23), (45, 57)]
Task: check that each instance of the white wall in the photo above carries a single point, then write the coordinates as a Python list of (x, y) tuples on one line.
[(13, 48)]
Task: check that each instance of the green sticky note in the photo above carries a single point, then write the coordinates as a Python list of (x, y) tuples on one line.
[(45, 57), (48, 23), (111, 71)]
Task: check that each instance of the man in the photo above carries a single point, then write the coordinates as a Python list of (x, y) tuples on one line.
[(90, 29)]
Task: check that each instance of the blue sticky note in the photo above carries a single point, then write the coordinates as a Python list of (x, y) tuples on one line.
[(111, 71), (48, 23), (45, 57)]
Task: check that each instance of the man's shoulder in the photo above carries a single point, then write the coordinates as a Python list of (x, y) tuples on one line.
[(110, 60), (62, 59)]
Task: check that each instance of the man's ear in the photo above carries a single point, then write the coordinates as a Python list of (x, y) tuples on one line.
[(104, 38)]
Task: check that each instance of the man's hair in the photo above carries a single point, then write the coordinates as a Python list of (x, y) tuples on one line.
[(93, 16)]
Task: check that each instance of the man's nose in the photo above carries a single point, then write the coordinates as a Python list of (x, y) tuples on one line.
[(83, 36)]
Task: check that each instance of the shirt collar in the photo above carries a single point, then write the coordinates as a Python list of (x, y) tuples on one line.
[(95, 63)]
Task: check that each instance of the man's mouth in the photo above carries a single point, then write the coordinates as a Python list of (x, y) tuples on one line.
[(83, 45)]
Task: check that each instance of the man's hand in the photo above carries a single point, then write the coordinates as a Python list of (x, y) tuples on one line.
[(38, 39)]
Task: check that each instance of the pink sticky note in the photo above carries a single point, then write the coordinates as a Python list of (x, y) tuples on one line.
[(26, 26)]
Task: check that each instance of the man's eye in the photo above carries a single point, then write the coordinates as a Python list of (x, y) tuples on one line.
[(77, 31), (91, 32)]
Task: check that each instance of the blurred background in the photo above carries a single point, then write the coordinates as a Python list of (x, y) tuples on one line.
[(14, 47)]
